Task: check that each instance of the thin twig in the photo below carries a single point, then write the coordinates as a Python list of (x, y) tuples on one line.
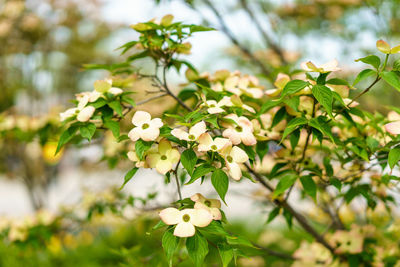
[(235, 41), (178, 186), (264, 34)]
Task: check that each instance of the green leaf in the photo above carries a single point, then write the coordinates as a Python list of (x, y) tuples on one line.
[(116, 106), (239, 241), (391, 78), (226, 253), (394, 157), (200, 28), (336, 183), (141, 147), (170, 244), (129, 176), (113, 126), (143, 54), (272, 215), (324, 96), (322, 126), (268, 105), (292, 125), (363, 75), (371, 60), (200, 171), (65, 137), (220, 181), (262, 149), (189, 159), (309, 186), (197, 247), (293, 87), (214, 228), (284, 183), (159, 225), (87, 131)]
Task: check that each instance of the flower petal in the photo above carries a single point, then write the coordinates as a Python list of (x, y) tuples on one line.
[(149, 134), (163, 146), (198, 129), (198, 197), (115, 91), (200, 217), (173, 155), (233, 136), (180, 134), (238, 155), (248, 138), (156, 122), (153, 159), (205, 142), (393, 127), (85, 114), (135, 133), (163, 166), (141, 117), (170, 216), (221, 142), (234, 170), (184, 229)]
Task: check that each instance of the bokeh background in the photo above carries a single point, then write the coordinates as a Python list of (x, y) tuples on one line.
[(44, 45)]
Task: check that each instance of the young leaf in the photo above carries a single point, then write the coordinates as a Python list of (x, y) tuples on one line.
[(87, 131), (324, 96), (391, 78), (66, 136), (293, 87), (262, 149), (129, 176), (220, 181), (394, 157), (371, 60), (113, 126), (226, 253), (272, 215), (170, 244), (309, 186), (284, 183), (116, 106), (141, 147), (197, 247), (363, 75), (189, 159), (292, 125), (200, 171)]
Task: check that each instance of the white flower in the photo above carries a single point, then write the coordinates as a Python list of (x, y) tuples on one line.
[(146, 128), (92, 96), (83, 113), (243, 85), (206, 143), (214, 107), (234, 156), (280, 83), (240, 132), (211, 205), (165, 159), (324, 68), (186, 220), (132, 156), (194, 132), (393, 127)]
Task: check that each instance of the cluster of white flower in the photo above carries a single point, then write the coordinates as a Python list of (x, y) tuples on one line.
[(83, 112), (186, 220)]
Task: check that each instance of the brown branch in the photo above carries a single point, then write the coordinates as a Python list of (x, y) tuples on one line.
[(299, 217), (235, 41), (264, 34)]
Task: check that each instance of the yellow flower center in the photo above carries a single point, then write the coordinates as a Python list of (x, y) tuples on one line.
[(191, 137), (145, 126), (239, 129), (212, 106), (163, 157), (186, 218), (229, 159), (207, 203), (214, 147)]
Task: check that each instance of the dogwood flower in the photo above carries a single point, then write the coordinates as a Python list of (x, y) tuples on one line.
[(165, 158), (105, 86), (186, 220), (324, 68), (243, 85), (206, 143), (211, 205), (234, 156), (146, 128), (83, 113), (240, 132), (132, 156), (194, 132), (214, 107), (385, 48), (394, 126)]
